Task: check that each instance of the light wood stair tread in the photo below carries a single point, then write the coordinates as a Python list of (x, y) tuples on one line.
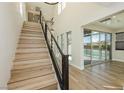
[(31, 65), (34, 27), (31, 35), (28, 63), (29, 74), (28, 26), (31, 61), (31, 50), (31, 24), (31, 56), (32, 41), (31, 46), (31, 69), (34, 83), (31, 30), (27, 37)]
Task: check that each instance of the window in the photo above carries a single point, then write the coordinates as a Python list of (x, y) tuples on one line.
[(120, 41), (61, 7), (63, 4), (21, 8)]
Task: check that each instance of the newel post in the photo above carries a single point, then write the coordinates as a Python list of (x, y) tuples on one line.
[(65, 72)]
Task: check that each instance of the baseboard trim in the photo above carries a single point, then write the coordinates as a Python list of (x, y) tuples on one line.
[(118, 60), (76, 66)]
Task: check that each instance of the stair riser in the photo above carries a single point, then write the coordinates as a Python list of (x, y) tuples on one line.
[(28, 26), (25, 63), (43, 50), (31, 61), (32, 32), (31, 69), (51, 87), (20, 77), (32, 35), (32, 24), (31, 46), (26, 41), (19, 67), (24, 84), (31, 28), (31, 57), (27, 37)]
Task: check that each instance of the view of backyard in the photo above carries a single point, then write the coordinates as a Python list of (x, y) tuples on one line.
[(96, 46)]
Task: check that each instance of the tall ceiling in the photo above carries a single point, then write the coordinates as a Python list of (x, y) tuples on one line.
[(46, 9), (113, 22), (109, 4)]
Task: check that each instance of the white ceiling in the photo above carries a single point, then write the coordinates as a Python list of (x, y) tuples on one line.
[(116, 22), (109, 4)]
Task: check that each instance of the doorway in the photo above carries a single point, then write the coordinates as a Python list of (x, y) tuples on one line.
[(97, 47)]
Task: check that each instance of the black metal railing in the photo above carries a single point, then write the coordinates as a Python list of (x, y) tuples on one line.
[(59, 59)]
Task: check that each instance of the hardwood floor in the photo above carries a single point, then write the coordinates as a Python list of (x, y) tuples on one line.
[(108, 75)]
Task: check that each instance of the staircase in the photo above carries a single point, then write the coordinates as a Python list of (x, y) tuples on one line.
[(32, 67)]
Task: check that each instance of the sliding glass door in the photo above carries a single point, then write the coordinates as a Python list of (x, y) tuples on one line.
[(87, 47), (108, 47), (102, 46), (97, 47)]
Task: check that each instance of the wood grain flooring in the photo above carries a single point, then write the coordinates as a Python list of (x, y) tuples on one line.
[(105, 76)]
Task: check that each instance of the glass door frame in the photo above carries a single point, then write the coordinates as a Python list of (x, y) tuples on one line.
[(110, 56)]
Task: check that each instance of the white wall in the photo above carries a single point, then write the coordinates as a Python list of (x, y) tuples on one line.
[(47, 10), (74, 16), (10, 26)]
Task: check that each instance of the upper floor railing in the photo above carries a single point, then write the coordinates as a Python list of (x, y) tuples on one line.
[(59, 59)]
